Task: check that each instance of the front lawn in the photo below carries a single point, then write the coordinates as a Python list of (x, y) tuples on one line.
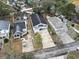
[(37, 41)]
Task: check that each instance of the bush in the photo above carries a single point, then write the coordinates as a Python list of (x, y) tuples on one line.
[(6, 40)]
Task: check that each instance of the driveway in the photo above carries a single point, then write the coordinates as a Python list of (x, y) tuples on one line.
[(27, 44), (46, 39)]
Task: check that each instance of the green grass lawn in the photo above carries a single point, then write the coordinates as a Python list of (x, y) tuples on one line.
[(37, 41)]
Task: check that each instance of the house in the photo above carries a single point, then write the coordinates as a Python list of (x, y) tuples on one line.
[(4, 29), (20, 28), (60, 29), (39, 23)]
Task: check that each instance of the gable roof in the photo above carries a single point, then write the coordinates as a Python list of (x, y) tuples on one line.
[(37, 19), (19, 26)]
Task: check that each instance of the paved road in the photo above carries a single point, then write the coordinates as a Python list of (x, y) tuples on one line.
[(56, 51)]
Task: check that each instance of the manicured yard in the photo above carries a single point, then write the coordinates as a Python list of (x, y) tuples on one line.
[(37, 41)]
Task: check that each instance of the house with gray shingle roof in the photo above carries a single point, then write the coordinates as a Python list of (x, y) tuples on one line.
[(39, 23), (4, 29), (20, 28)]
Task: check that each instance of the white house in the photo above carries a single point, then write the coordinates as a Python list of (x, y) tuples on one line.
[(20, 29), (60, 29), (39, 23), (4, 31)]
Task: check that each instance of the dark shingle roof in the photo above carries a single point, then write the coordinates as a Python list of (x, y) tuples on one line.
[(42, 19), (36, 19), (19, 26)]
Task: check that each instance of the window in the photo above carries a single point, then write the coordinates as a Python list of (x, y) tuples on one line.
[(40, 25), (40, 29), (17, 35)]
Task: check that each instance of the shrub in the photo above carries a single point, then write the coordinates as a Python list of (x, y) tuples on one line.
[(6, 40)]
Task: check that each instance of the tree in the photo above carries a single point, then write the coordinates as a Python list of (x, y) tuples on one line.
[(66, 8), (5, 9)]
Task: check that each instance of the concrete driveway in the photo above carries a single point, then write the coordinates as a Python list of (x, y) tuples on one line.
[(27, 45), (46, 39)]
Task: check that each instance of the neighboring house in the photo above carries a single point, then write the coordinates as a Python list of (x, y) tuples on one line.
[(39, 23), (60, 29), (20, 28), (4, 29)]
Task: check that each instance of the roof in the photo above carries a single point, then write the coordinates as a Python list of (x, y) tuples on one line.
[(57, 23), (61, 29), (4, 25), (19, 26), (37, 19)]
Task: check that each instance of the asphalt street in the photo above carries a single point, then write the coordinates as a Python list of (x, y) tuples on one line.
[(56, 51)]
